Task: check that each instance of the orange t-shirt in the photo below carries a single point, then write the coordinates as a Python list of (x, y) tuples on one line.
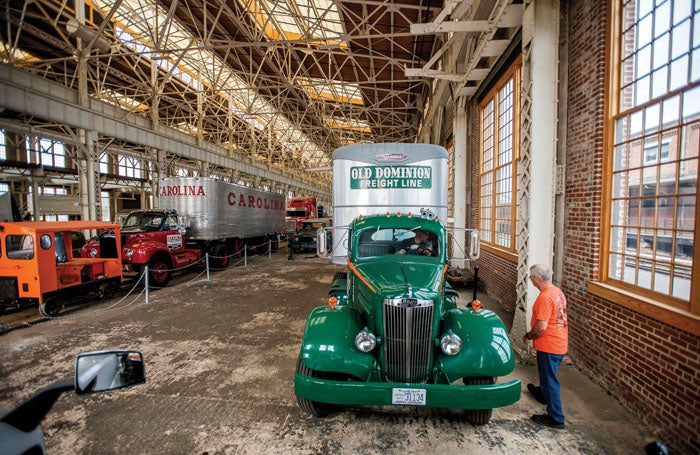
[(550, 306)]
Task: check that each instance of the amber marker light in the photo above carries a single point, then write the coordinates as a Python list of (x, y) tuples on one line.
[(476, 304), (332, 302)]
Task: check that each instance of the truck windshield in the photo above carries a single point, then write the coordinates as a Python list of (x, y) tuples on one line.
[(379, 242), (295, 212), (144, 220)]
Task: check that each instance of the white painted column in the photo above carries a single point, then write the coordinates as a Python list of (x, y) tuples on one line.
[(91, 169), (459, 126), (541, 32)]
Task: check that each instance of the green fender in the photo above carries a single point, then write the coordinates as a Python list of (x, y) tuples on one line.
[(329, 342), (486, 348)]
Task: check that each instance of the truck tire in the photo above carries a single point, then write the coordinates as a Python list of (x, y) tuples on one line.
[(107, 290), (158, 271), (220, 257), (478, 416), (50, 307), (313, 407)]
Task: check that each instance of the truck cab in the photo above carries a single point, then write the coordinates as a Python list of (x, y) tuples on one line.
[(164, 226), (392, 333), (299, 209), (155, 238)]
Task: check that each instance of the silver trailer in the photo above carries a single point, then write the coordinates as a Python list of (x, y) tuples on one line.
[(379, 178), (217, 210)]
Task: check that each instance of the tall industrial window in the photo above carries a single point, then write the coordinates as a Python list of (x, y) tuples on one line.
[(499, 113), (45, 152), (128, 166), (652, 162)]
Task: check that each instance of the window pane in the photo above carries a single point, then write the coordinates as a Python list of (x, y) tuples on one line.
[(19, 246), (655, 151), (615, 263), (681, 283), (497, 179)]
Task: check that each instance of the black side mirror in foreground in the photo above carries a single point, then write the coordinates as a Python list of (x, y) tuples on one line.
[(108, 370)]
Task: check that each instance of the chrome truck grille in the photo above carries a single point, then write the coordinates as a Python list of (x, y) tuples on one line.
[(408, 327)]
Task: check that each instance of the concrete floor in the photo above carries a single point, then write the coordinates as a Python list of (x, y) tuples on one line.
[(220, 358)]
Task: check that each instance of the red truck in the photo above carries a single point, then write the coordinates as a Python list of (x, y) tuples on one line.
[(298, 210), (203, 215)]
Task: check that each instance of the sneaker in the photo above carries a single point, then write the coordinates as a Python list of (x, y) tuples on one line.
[(536, 392), (547, 420)]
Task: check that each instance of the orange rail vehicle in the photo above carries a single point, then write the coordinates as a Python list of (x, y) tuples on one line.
[(40, 263)]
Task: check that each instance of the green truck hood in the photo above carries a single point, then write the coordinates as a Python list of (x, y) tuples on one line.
[(391, 277)]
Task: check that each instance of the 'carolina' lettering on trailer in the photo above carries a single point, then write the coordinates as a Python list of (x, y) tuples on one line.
[(183, 190), (255, 202)]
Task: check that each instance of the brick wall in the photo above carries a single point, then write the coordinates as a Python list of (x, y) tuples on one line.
[(498, 277), (651, 367)]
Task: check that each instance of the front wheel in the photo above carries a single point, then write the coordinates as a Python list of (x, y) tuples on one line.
[(313, 407), (50, 307), (158, 271), (478, 416)]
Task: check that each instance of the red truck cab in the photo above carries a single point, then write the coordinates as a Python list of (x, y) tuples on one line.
[(298, 210), (155, 238)]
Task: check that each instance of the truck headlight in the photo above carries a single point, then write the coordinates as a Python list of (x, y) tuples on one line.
[(365, 341), (450, 343), (92, 252), (129, 253)]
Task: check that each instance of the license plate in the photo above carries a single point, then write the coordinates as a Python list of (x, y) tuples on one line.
[(414, 397)]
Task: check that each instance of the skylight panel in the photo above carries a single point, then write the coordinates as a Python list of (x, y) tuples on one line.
[(315, 21), (349, 124), (338, 91)]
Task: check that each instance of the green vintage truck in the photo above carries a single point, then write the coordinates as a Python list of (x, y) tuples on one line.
[(392, 333)]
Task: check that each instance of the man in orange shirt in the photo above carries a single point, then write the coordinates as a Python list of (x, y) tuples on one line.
[(550, 337)]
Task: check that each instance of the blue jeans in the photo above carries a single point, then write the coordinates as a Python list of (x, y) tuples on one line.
[(547, 366)]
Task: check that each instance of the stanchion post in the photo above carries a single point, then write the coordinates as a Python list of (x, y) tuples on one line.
[(269, 248), (206, 261), (145, 280), (245, 256)]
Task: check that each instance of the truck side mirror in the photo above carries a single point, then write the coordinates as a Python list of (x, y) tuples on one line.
[(182, 224), (321, 244), (474, 245), (108, 370)]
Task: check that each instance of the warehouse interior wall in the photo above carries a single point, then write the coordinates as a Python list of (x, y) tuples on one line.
[(650, 365)]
